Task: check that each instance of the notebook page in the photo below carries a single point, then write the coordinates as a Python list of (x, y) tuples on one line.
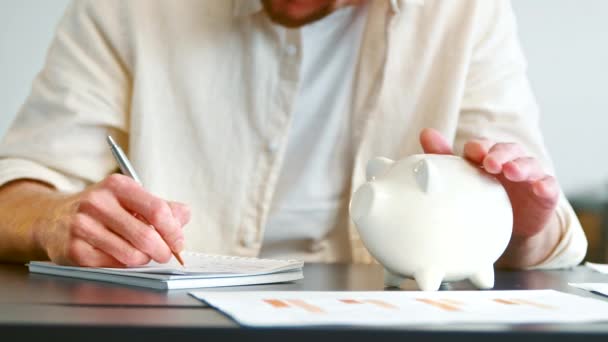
[(199, 263)]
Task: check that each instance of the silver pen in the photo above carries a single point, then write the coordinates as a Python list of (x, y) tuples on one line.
[(127, 169), (123, 162)]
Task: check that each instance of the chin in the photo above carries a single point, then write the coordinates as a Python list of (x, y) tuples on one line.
[(296, 13)]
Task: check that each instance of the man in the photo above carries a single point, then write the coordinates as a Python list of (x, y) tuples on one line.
[(261, 116)]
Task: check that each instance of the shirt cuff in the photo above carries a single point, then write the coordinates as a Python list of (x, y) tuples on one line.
[(12, 169), (572, 247)]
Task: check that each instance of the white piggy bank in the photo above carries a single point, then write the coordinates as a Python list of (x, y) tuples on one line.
[(433, 218)]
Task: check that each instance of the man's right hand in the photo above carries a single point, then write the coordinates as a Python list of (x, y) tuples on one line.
[(98, 227)]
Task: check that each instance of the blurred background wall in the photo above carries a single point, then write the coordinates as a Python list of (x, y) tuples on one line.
[(565, 41)]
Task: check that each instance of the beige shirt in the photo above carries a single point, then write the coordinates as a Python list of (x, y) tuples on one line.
[(200, 92), (311, 195)]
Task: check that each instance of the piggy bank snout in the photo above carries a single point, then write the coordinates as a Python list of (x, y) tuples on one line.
[(362, 203)]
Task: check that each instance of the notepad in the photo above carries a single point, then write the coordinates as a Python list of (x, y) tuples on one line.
[(201, 270)]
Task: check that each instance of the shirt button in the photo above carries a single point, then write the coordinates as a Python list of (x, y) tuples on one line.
[(248, 239), (273, 146), (291, 49)]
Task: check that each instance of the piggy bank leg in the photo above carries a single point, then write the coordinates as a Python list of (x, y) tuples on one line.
[(484, 279), (391, 279), (429, 279)]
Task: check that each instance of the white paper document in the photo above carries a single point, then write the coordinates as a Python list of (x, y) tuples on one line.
[(598, 288), (602, 268), (396, 308)]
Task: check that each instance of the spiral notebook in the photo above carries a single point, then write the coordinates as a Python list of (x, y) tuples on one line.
[(200, 270)]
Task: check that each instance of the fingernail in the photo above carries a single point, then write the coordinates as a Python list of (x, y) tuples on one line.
[(511, 171), (490, 165)]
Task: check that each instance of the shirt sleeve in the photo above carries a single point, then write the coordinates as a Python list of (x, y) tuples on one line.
[(80, 96), (498, 104)]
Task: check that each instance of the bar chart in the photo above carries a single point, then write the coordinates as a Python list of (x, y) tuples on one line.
[(386, 308)]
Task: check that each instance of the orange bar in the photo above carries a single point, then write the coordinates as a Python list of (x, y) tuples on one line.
[(505, 301), (308, 307), (381, 303), (538, 305), (350, 301), (452, 301), (443, 306), (276, 303)]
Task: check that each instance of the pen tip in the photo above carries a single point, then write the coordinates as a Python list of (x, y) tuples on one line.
[(110, 140), (179, 258)]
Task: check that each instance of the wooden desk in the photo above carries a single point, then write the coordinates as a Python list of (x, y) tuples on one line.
[(54, 308)]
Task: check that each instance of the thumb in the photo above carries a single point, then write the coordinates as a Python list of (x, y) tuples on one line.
[(180, 211), (433, 142)]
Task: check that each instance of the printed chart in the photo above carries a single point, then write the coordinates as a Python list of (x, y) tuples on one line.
[(445, 304), (404, 307)]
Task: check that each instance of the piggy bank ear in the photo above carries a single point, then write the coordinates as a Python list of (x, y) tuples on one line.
[(427, 176), (377, 166)]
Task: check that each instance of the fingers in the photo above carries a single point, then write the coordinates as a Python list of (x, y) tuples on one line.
[(547, 188), (116, 223), (123, 212), (501, 153), (508, 159), (154, 210), (94, 233), (476, 150), (523, 169), (433, 142), (104, 207), (181, 212), (81, 253)]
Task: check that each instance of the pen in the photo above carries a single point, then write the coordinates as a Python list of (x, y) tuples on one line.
[(127, 169)]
